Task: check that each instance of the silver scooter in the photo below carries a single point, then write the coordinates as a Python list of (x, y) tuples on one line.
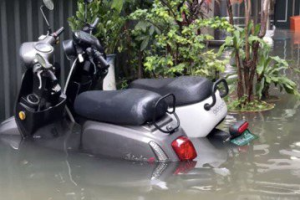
[(40, 101), (131, 124)]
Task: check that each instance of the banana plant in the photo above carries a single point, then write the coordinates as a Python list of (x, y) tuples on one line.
[(270, 70)]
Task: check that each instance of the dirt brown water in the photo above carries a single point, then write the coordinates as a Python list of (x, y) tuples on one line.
[(269, 168)]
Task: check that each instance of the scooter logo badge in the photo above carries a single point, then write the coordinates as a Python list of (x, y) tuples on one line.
[(219, 108)]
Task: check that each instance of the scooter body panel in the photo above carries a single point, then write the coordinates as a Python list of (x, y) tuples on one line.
[(198, 122), (9, 128), (140, 143)]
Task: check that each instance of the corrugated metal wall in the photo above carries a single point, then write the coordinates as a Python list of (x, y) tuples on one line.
[(21, 21)]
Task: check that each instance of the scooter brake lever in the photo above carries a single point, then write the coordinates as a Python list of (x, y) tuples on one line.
[(39, 75), (80, 58)]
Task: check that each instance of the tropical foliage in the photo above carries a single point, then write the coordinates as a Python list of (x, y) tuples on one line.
[(268, 69), (256, 69), (109, 30), (171, 39), (271, 70), (167, 38)]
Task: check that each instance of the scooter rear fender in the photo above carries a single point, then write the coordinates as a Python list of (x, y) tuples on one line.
[(140, 143)]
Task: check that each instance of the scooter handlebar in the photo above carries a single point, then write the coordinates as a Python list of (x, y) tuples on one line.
[(93, 25), (58, 32), (98, 56), (52, 77)]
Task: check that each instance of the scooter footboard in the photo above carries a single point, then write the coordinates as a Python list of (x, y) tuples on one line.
[(140, 143)]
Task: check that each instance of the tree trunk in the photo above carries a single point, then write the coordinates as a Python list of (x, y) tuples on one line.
[(252, 74), (140, 69), (125, 68), (240, 84), (265, 92), (255, 47), (247, 67)]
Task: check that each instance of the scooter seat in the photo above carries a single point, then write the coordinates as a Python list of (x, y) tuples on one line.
[(188, 90), (124, 107)]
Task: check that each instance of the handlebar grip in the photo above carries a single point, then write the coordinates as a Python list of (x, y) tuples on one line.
[(103, 62), (52, 77), (58, 32), (95, 23), (101, 59)]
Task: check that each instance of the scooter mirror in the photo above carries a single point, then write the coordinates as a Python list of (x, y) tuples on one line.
[(49, 4)]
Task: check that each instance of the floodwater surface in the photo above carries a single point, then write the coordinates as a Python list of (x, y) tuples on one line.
[(269, 168)]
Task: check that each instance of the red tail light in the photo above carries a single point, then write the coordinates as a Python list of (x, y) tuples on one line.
[(243, 127), (184, 149), (238, 128)]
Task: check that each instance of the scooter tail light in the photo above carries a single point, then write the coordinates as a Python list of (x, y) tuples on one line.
[(243, 127), (184, 149), (238, 129)]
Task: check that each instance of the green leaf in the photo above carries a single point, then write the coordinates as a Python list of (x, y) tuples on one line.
[(152, 29), (142, 25), (144, 44), (260, 86), (280, 61), (117, 5)]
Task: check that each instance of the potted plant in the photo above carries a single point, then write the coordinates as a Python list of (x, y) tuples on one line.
[(108, 31)]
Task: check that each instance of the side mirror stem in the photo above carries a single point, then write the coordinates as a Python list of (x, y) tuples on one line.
[(85, 11), (46, 20)]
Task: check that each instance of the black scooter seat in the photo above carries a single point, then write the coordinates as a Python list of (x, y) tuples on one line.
[(123, 107), (188, 90)]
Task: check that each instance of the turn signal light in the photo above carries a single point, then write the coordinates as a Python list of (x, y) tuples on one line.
[(184, 149)]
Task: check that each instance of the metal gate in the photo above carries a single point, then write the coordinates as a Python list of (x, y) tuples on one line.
[(284, 9), (21, 21)]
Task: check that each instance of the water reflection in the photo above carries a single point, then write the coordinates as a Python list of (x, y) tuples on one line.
[(267, 169), (44, 170), (37, 170)]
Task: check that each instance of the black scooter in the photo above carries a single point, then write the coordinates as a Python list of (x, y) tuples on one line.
[(40, 97)]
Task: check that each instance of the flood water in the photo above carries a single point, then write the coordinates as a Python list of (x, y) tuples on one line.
[(269, 168)]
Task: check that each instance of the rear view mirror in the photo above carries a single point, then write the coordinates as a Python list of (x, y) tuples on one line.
[(49, 4)]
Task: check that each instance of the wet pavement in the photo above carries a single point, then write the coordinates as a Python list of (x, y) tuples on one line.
[(269, 168)]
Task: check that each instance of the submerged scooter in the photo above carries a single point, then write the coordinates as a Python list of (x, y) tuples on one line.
[(199, 102), (131, 124), (40, 101), (72, 168), (199, 106)]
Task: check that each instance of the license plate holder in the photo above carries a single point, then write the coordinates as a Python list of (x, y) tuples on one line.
[(246, 138)]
